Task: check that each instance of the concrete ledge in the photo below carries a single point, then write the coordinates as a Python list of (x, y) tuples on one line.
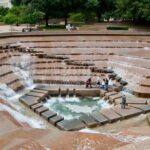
[(36, 106), (103, 92), (54, 120), (144, 108), (87, 92), (41, 110), (128, 112), (88, 120), (112, 98), (110, 114), (29, 100), (70, 125), (107, 95), (48, 114), (99, 117)]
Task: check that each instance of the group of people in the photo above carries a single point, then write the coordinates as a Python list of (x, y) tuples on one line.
[(105, 83)]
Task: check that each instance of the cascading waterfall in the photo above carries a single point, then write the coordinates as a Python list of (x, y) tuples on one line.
[(21, 71)]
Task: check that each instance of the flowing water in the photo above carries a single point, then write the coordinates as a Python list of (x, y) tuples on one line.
[(74, 107)]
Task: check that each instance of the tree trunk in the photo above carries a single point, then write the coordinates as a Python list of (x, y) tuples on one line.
[(46, 21), (66, 20), (98, 17)]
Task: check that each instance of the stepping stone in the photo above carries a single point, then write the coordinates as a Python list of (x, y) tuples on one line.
[(54, 120), (34, 107), (39, 91), (40, 95), (29, 102), (88, 120), (112, 98), (26, 97), (103, 92), (107, 95), (51, 90), (99, 117), (128, 112), (110, 114), (71, 125), (48, 114), (41, 110), (145, 108)]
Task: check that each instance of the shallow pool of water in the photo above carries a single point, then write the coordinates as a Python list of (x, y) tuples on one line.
[(74, 107)]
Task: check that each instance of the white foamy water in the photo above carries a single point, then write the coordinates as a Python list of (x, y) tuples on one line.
[(5, 91), (34, 123), (119, 136), (74, 107), (127, 138), (147, 48)]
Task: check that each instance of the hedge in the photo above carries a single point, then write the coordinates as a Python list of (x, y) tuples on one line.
[(117, 28)]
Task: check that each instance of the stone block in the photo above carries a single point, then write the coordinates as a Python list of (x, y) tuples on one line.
[(48, 114), (41, 110), (128, 112), (35, 94), (110, 114), (26, 97), (112, 98), (99, 117), (36, 106), (54, 120), (103, 92), (88, 120), (87, 92), (107, 95), (71, 125), (29, 101), (39, 91)]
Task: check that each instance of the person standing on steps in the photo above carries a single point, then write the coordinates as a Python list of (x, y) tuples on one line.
[(123, 104), (88, 83)]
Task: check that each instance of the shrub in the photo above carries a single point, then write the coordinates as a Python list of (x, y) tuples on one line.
[(117, 28)]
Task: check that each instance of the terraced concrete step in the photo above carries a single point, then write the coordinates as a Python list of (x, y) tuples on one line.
[(107, 95), (70, 125), (131, 101), (88, 120), (16, 86), (127, 112), (103, 92), (112, 98), (36, 106), (39, 91), (29, 100), (41, 96), (54, 120), (48, 114), (41, 110), (111, 115), (99, 117), (144, 108)]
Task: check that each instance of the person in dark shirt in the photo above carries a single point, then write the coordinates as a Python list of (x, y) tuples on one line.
[(123, 104)]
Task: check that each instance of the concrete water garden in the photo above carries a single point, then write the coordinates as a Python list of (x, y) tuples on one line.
[(43, 78)]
